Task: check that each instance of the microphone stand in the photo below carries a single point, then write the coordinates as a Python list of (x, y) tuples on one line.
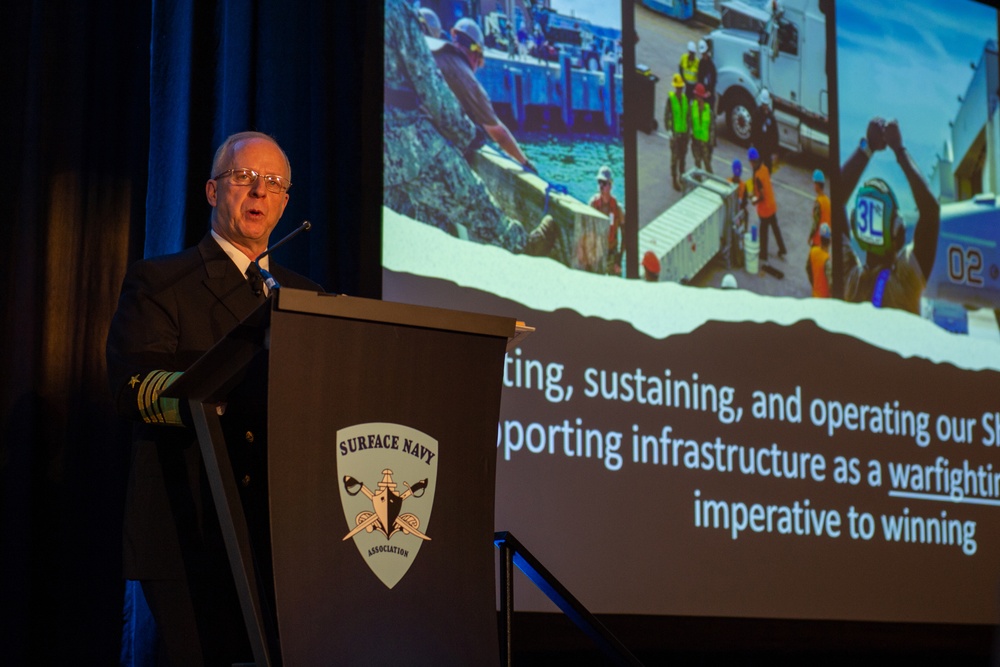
[(272, 284)]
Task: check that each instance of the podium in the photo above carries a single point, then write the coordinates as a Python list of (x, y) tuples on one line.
[(381, 467)]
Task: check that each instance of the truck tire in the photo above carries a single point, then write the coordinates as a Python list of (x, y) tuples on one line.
[(740, 112)]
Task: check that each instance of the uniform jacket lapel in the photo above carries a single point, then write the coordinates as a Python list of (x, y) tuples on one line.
[(225, 281)]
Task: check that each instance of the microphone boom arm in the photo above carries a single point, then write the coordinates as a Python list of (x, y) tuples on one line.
[(269, 280)]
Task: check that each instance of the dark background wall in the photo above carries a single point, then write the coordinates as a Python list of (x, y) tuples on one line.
[(112, 114)]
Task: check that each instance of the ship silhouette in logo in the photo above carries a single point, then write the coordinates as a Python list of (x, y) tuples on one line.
[(386, 503)]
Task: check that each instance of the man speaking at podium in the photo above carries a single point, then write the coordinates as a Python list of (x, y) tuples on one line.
[(172, 309)]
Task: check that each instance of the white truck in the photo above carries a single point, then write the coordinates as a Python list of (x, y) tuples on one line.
[(780, 46)]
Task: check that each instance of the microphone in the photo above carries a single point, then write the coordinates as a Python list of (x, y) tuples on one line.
[(272, 284)]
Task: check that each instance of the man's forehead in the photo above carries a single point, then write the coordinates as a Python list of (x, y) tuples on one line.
[(258, 153), (257, 147)]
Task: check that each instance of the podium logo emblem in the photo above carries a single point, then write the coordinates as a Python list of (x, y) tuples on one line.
[(387, 475)]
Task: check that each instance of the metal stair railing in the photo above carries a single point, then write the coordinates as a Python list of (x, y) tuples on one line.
[(514, 553)]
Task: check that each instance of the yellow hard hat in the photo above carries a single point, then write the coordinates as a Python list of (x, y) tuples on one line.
[(678, 81)]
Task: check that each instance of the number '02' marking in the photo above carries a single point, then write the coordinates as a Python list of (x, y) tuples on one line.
[(965, 265)]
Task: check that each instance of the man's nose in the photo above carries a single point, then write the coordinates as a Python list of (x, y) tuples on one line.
[(257, 188)]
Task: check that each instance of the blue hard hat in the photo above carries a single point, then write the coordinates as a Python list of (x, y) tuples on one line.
[(737, 168), (818, 176), (753, 154)]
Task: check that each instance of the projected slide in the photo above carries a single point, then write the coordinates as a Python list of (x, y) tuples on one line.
[(721, 436)]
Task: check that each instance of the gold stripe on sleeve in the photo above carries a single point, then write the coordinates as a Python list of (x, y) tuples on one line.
[(156, 410)]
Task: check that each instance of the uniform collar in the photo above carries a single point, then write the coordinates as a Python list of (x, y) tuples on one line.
[(241, 260)]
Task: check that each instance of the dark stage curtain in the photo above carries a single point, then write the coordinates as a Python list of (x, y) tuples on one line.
[(113, 112)]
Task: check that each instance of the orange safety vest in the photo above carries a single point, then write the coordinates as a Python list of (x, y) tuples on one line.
[(766, 206), (817, 264), (821, 214)]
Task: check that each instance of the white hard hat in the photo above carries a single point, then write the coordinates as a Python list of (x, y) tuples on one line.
[(764, 97), (729, 281), (691, 46), (470, 29), (431, 21), (702, 46), (604, 173)]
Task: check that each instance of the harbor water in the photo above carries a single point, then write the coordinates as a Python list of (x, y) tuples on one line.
[(572, 161)]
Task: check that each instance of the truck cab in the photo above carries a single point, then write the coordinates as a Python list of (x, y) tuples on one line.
[(780, 46)]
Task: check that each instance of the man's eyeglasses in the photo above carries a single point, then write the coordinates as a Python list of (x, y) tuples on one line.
[(602, 184), (244, 177)]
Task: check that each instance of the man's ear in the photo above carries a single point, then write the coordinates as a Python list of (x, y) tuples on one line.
[(210, 192)]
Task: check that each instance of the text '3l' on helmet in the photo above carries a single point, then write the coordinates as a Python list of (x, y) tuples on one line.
[(875, 221)]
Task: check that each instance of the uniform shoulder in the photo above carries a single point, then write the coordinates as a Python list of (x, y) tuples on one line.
[(164, 270)]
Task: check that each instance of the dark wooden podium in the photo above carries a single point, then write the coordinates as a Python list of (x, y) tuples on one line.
[(381, 459)]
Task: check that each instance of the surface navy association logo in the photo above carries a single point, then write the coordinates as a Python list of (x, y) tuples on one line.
[(387, 475)]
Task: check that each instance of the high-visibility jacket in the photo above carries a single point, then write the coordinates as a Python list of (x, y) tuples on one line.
[(821, 214), (701, 121), (766, 206), (689, 68), (818, 257), (677, 113)]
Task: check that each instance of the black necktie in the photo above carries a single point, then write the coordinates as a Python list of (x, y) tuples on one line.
[(255, 280)]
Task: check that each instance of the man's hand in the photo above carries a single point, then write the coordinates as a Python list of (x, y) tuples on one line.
[(876, 134), (893, 137), (478, 141)]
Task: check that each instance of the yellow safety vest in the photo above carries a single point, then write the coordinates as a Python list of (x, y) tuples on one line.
[(678, 108), (701, 123), (689, 68)]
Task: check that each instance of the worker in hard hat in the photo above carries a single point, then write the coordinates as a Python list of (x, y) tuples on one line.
[(650, 267), (764, 131), (819, 267), (736, 178), (894, 272), (688, 68), (702, 129), (821, 207), (677, 123), (606, 203), (708, 75), (767, 207), (426, 175), (430, 24), (458, 60), (738, 225)]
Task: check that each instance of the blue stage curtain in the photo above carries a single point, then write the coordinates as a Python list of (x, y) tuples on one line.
[(112, 115), (297, 72), (224, 67)]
